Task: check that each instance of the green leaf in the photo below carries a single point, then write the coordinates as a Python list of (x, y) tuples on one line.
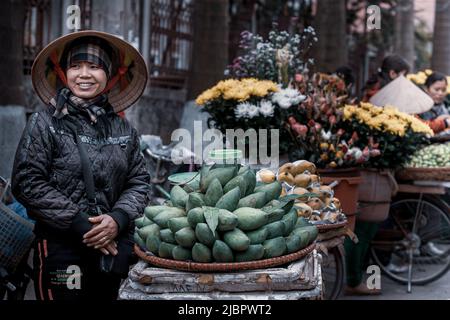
[(289, 197), (212, 217)]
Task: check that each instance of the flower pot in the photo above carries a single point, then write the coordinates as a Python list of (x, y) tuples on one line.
[(375, 193), (346, 190)]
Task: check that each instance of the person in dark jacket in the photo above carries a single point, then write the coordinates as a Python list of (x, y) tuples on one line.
[(85, 78)]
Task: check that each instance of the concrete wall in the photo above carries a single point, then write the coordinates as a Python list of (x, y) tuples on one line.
[(12, 120), (158, 112)]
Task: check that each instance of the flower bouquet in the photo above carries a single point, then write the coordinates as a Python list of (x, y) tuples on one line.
[(248, 104), (315, 128), (397, 135), (279, 58)]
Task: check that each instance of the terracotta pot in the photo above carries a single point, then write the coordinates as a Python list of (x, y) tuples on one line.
[(346, 191), (375, 193)]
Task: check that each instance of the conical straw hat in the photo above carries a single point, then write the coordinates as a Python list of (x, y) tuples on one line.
[(128, 89), (404, 95)]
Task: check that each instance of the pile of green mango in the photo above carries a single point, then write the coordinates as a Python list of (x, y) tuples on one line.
[(224, 217), (433, 156)]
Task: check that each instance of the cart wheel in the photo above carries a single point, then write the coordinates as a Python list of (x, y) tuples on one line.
[(420, 226), (333, 273)]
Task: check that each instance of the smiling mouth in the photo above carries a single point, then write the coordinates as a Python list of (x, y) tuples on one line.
[(85, 85)]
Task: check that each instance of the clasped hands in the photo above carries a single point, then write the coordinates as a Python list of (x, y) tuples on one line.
[(102, 234)]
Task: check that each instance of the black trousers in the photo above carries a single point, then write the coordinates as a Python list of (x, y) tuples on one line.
[(68, 271)]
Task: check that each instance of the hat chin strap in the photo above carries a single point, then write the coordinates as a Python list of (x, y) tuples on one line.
[(119, 76), (58, 70)]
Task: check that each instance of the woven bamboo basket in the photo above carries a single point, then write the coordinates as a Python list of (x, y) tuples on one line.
[(331, 226), (222, 267), (440, 174)]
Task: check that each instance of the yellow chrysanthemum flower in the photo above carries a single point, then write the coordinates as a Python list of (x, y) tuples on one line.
[(388, 119), (349, 110), (240, 90)]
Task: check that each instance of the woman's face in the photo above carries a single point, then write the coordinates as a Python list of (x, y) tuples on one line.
[(437, 91), (85, 79)]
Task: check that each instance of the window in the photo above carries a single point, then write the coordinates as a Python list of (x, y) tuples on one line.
[(38, 26), (36, 30), (171, 42)]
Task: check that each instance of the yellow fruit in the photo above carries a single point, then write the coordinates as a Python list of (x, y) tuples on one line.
[(315, 190), (311, 167), (315, 203), (303, 210), (336, 203), (326, 189), (286, 177), (287, 167), (266, 175), (314, 178), (300, 191), (303, 166), (302, 180)]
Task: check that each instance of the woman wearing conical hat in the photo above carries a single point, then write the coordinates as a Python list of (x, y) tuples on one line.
[(78, 168)]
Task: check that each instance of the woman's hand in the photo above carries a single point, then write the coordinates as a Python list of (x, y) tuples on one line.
[(104, 231)]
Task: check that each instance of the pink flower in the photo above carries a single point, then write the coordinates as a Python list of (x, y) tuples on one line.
[(300, 129), (298, 77), (332, 119), (317, 126), (375, 152)]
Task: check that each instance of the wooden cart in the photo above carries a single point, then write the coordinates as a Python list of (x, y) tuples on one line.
[(301, 279)]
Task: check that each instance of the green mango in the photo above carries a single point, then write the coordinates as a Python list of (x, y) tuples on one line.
[(214, 193)]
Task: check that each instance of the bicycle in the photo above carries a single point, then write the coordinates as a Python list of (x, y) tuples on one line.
[(160, 165), (413, 223), (331, 243), (333, 272), (16, 237)]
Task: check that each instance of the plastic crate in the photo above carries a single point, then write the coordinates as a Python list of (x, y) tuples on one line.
[(16, 237)]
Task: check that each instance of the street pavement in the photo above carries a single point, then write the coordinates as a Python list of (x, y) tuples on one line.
[(438, 290), (391, 290)]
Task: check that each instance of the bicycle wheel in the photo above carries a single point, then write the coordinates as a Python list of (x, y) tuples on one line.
[(333, 273), (402, 241)]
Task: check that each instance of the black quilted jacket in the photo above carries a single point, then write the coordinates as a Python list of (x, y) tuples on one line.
[(47, 177)]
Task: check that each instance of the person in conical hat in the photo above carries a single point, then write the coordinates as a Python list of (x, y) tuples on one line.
[(392, 67), (84, 78)]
